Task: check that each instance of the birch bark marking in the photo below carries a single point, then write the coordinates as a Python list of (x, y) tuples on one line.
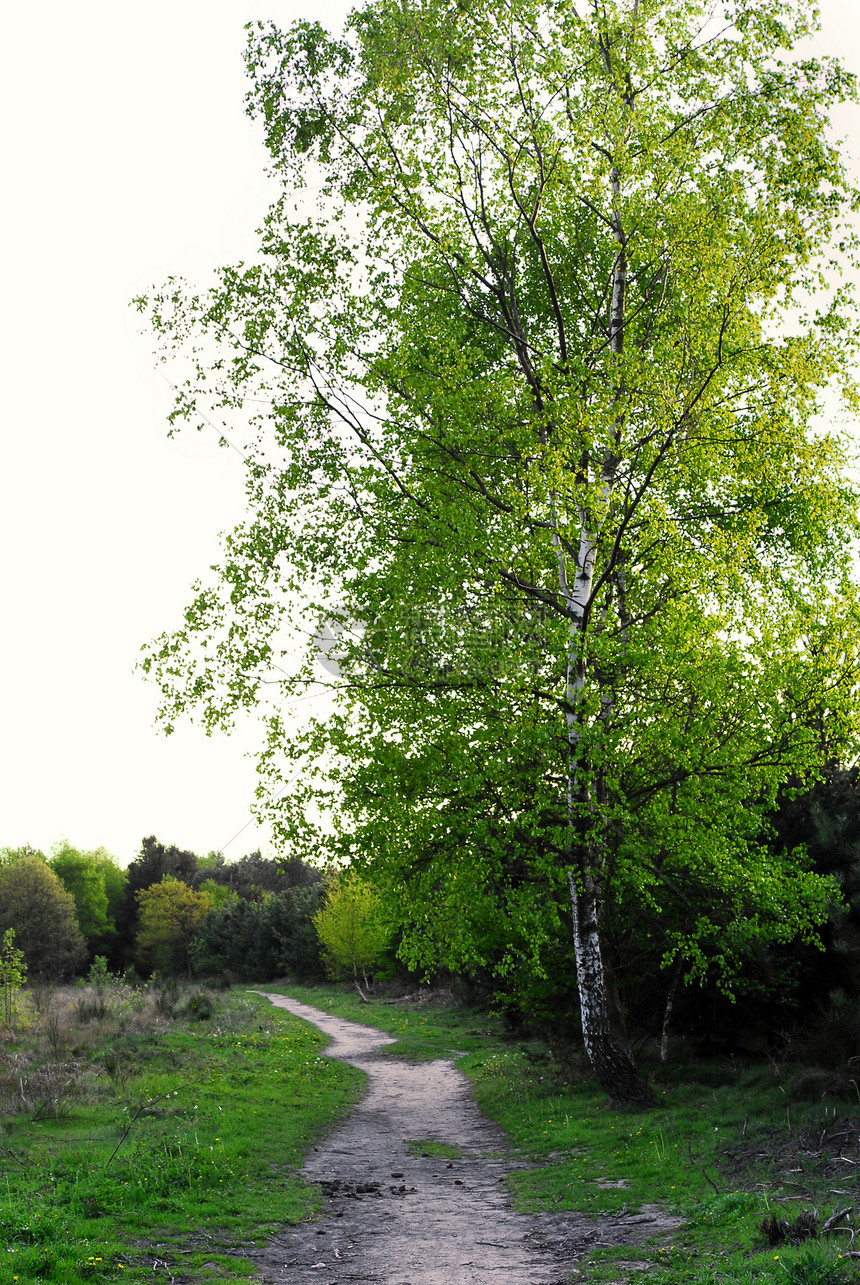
[(602, 1024)]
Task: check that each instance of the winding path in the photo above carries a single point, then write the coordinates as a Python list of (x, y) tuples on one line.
[(397, 1218)]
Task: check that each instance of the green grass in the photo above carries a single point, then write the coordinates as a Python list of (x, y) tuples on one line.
[(193, 1143), (694, 1155), (431, 1147)]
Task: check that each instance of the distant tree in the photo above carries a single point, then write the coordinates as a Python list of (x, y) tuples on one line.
[(218, 893), (154, 861), (262, 938), (82, 876), (254, 875), (170, 915), (351, 928), (35, 904), (8, 855), (114, 879)]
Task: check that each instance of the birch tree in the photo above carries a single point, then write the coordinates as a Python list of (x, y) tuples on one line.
[(531, 398)]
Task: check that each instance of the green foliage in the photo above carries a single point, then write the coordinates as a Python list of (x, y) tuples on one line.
[(253, 876), (351, 927), (199, 1007), (9, 855), (262, 938), (171, 914), (218, 894), (13, 975), (533, 399), (82, 875), (36, 905), (815, 1264), (99, 975), (154, 861)]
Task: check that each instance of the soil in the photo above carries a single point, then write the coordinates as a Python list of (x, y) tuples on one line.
[(394, 1217)]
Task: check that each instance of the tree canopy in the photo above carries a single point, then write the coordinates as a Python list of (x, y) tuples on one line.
[(352, 928), (171, 914), (34, 903), (83, 875), (535, 396)]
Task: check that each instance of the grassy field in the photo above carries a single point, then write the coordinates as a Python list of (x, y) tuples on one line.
[(144, 1132), (729, 1146)]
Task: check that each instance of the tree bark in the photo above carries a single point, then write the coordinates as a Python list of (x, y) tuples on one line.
[(667, 1014), (602, 1026)]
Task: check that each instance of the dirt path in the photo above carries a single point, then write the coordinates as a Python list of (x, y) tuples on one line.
[(397, 1218)]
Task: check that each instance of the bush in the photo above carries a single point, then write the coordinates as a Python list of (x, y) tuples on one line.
[(199, 1007), (94, 1006)]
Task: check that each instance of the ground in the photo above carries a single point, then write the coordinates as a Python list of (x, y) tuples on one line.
[(414, 1182)]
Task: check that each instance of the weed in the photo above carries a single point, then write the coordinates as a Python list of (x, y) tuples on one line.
[(199, 1007), (166, 996), (47, 1092), (815, 1264), (55, 1033), (43, 993), (93, 1006)]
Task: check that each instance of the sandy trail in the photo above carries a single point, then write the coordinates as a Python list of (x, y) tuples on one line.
[(396, 1218)]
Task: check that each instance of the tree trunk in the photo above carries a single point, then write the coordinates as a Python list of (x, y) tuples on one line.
[(602, 1025), (667, 1014)]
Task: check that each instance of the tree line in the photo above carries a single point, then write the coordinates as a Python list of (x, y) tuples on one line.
[(170, 911), (175, 913)]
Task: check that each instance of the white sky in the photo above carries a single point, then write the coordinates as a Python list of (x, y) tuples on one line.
[(126, 157)]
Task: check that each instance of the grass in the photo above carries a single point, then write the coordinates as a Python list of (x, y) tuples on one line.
[(135, 1123), (727, 1145), (139, 1137), (431, 1147)]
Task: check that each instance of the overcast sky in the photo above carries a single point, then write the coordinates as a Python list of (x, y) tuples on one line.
[(126, 157)]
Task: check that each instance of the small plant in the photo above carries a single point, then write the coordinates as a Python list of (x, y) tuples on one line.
[(116, 1065), (199, 1007), (93, 1007), (45, 1093), (166, 995), (43, 993), (56, 1035), (815, 1264), (13, 974), (99, 976)]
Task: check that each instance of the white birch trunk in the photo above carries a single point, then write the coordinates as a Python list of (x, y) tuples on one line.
[(608, 1054)]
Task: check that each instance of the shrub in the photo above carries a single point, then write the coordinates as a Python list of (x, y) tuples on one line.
[(199, 1007)]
